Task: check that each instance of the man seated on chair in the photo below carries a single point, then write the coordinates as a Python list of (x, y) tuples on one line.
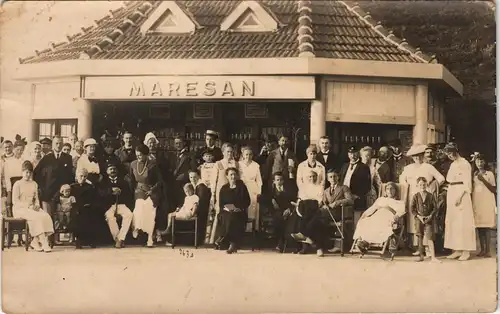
[(379, 222), (279, 202), (187, 211), (335, 197), (117, 198)]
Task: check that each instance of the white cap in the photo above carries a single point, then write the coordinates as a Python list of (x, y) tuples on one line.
[(416, 150), (89, 141), (212, 133), (149, 136)]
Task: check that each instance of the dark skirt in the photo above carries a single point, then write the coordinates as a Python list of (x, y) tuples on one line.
[(232, 226), (86, 224)]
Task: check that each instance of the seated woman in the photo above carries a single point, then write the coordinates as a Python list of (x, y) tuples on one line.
[(377, 223), (307, 220), (27, 206), (234, 201)]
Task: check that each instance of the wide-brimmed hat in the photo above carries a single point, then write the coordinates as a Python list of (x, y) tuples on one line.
[(89, 141), (416, 150), (149, 136)]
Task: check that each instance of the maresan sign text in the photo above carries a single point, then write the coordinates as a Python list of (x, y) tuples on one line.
[(199, 87)]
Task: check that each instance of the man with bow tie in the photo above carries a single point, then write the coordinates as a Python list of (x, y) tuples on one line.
[(398, 161), (117, 199), (356, 175), (126, 153), (325, 156), (53, 170)]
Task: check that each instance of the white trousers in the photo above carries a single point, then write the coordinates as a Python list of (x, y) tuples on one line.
[(126, 215)]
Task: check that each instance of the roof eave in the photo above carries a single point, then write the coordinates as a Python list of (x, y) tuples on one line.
[(243, 66)]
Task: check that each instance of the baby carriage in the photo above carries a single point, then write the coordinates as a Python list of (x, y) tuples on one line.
[(386, 224)]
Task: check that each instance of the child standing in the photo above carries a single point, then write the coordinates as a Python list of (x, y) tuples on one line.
[(424, 207), (484, 203), (208, 170), (188, 209), (64, 206)]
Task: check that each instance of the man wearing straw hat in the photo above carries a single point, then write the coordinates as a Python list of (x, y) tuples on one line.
[(211, 137)]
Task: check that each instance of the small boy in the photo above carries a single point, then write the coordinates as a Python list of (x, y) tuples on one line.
[(208, 171), (424, 207), (64, 206), (188, 209)]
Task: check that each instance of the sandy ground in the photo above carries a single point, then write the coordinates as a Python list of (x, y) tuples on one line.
[(162, 280)]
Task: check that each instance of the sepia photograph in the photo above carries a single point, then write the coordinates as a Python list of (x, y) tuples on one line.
[(248, 156)]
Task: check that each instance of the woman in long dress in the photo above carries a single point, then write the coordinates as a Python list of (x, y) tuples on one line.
[(376, 223), (27, 205), (366, 154), (250, 175), (219, 180), (304, 172), (234, 200), (146, 183), (484, 203), (460, 231), (410, 175)]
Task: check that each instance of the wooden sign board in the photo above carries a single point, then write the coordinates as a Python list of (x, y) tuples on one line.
[(203, 111), (256, 111)]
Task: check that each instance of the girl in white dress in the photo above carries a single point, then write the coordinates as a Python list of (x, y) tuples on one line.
[(484, 203), (219, 180), (410, 175), (250, 175), (27, 206), (460, 231)]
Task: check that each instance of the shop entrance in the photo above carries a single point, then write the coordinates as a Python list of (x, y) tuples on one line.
[(239, 123), (345, 135)]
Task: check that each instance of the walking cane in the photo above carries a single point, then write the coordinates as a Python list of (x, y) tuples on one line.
[(335, 222), (116, 205)]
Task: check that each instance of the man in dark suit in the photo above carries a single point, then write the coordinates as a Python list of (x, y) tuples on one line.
[(281, 160), (382, 165), (399, 160), (325, 156), (210, 138), (356, 176), (117, 199), (279, 201), (53, 170), (336, 196), (183, 162), (126, 153)]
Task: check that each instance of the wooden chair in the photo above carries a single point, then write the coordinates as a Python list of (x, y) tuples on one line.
[(347, 219), (11, 225), (401, 194), (195, 232)]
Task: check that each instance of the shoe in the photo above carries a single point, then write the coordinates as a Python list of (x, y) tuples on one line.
[(320, 253), (47, 250), (168, 244), (435, 260), (118, 244), (420, 259), (135, 233), (308, 241), (334, 250), (298, 236), (149, 244), (35, 245), (465, 256), (481, 254), (416, 253), (454, 255), (232, 249), (78, 245)]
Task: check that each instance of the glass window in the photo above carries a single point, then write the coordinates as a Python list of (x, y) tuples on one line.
[(46, 129), (67, 128), (50, 128)]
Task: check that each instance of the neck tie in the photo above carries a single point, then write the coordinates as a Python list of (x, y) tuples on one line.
[(352, 166)]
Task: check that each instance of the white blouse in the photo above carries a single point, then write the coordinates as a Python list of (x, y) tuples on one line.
[(12, 168), (84, 163), (303, 170), (413, 171), (460, 171)]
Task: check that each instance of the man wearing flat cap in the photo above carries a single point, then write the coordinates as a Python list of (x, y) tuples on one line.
[(210, 137), (399, 160), (356, 176), (46, 145)]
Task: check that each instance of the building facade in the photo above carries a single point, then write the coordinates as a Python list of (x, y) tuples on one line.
[(245, 68)]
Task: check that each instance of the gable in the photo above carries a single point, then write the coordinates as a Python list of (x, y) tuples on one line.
[(168, 18), (249, 16)]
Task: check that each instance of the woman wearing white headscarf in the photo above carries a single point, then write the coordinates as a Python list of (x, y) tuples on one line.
[(33, 153)]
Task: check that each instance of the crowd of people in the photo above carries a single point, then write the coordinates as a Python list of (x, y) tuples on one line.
[(83, 184)]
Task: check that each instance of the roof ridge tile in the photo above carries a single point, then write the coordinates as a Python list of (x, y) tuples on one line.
[(305, 31)]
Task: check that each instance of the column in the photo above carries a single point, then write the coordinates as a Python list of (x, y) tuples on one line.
[(84, 129), (420, 128), (318, 121)]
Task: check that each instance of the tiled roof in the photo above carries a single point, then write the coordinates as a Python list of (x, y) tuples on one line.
[(338, 30)]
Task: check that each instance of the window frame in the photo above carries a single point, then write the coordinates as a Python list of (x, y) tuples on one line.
[(57, 126)]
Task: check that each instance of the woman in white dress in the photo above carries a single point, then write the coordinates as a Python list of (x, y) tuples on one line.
[(366, 154), (33, 153), (27, 205), (410, 175), (484, 203), (219, 180), (250, 175), (89, 162), (304, 172), (460, 231)]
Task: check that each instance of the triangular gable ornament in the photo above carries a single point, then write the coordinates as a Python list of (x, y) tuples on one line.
[(169, 18), (249, 16)]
